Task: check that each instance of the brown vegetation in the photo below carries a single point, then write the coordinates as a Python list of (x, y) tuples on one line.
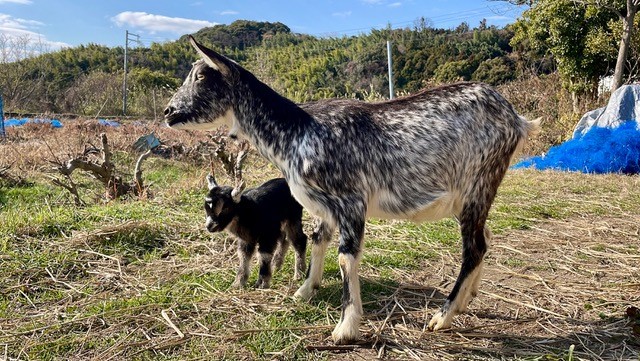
[(558, 282)]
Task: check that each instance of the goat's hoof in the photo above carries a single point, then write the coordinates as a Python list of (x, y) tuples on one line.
[(345, 333), (237, 285), (440, 321), (261, 284), (304, 293)]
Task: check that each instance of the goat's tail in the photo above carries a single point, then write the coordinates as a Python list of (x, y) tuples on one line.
[(532, 126), (530, 129)]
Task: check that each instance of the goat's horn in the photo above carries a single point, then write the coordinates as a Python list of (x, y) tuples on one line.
[(211, 181)]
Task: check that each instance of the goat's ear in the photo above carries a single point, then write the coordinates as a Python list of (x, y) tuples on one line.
[(213, 59), (236, 193), (211, 181)]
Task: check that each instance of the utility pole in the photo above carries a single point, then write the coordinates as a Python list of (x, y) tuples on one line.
[(390, 69), (124, 85), (2, 133)]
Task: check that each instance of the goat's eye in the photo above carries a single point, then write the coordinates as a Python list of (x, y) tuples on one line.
[(200, 77)]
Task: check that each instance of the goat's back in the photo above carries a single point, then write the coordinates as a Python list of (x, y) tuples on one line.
[(272, 200), (406, 153)]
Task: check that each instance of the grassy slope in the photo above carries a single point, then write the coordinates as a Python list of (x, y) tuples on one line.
[(118, 280)]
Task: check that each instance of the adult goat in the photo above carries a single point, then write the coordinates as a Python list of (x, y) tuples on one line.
[(438, 153)]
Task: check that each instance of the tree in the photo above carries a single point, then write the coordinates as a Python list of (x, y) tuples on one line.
[(495, 71), (627, 16), (454, 71), (624, 10), (579, 36), (22, 71)]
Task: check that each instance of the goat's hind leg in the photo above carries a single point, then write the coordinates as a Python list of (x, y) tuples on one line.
[(321, 237), (350, 249), (475, 237)]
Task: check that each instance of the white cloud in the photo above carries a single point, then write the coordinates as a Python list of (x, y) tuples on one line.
[(159, 23), (395, 5), (22, 31), (229, 12), (9, 22), (342, 14), (24, 2)]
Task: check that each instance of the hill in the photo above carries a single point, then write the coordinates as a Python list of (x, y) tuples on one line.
[(87, 79)]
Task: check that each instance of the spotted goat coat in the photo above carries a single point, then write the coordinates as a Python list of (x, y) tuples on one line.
[(438, 153)]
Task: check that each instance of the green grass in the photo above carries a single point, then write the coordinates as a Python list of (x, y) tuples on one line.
[(94, 279)]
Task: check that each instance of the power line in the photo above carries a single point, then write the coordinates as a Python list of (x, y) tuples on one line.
[(435, 19)]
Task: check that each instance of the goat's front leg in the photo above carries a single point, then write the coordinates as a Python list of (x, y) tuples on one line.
[(280, 253), (321, 237), (264, 275), (265, 249), (245, 252), (351, 234), (300, 245)]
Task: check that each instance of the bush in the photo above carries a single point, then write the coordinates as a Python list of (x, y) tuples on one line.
[(94, 94), (454, 71), (543, 96), (495, 71)]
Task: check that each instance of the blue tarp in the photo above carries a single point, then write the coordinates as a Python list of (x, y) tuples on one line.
[(108, 123), (13, 122), (599, 150)]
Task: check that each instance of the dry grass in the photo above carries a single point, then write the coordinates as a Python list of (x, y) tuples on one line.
[(139, 280)]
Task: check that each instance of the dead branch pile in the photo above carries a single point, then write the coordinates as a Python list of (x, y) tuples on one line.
[(98, 163)]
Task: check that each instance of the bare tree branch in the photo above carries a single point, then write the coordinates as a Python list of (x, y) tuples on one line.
[(138, 170), (104, 172), (72, 188)]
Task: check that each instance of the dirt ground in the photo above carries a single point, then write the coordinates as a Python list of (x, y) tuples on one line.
[(566, 288), (572, 285)]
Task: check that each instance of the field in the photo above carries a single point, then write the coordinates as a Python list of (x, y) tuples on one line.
[(140, 279)]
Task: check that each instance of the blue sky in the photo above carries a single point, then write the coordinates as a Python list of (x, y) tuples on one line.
[(59, 23)]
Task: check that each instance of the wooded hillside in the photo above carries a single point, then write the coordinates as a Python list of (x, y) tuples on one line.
[(87, 80), (89, 77)]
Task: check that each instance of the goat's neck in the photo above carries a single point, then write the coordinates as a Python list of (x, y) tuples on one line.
[(271, 122)]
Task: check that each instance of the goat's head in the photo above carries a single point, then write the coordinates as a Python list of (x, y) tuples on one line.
[(205, 99), (221, 202), (221, 205)]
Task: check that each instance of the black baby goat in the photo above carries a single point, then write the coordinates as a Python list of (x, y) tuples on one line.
[(266, 217)]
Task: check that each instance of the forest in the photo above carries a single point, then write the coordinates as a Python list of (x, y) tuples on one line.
[(568, 52)]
